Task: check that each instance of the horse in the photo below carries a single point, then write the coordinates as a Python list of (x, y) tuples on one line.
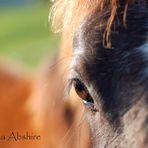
[(101, 68), (105, 51)]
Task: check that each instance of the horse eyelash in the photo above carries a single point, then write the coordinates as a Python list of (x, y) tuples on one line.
[(69, 85)]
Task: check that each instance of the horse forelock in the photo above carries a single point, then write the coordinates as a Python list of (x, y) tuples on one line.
[(67, 15)]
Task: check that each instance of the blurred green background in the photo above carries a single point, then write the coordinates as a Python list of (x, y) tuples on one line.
[(25, 33)]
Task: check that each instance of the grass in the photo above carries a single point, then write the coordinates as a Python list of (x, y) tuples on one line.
[(25, 34)]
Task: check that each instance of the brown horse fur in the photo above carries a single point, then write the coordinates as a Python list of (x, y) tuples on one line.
[(34, 106), (14, 91)]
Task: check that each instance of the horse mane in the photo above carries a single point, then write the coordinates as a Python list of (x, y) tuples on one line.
[(67, 14)]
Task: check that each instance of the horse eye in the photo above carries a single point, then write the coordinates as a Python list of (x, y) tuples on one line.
[(83, 93)]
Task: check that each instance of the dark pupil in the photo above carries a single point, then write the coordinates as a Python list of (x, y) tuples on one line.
[(89, 99), (79, 86)]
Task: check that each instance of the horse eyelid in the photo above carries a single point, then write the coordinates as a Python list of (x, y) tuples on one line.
[(90, 105)]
